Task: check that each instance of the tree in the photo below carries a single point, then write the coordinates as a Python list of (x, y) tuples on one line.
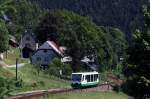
[(7, 6), (138, 67), (6, 86), (4, 38), (79, 34), (123, 14)]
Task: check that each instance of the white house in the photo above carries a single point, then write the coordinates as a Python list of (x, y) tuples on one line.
[(45, 53)]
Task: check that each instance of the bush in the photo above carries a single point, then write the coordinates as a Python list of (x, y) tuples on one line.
[(117, 88), (56, 68), (6, 86)]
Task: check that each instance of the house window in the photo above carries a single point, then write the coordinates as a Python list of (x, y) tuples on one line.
[(38, 58), (88, 78)]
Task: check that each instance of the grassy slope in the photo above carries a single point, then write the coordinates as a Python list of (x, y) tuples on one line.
[(5, 73), (90, 95), (12, 55), (34, 81)]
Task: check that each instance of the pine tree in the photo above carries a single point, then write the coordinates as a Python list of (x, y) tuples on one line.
[(138, 67)]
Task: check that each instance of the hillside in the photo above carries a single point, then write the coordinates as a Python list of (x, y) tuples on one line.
[(124, 14), (28, 82)]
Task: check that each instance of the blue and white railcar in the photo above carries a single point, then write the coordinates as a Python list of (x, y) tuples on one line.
[(85, 79)]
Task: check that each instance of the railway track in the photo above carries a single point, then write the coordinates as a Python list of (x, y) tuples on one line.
[(44, 93)]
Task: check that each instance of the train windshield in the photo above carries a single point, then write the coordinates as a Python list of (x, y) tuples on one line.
[(76, 77)]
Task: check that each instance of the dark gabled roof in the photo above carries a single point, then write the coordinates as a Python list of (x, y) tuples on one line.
[(29, 32), (51, 46)]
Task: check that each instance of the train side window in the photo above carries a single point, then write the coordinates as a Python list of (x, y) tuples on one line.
[(88, 78), (95, 77), (83, 78), (92, 78)]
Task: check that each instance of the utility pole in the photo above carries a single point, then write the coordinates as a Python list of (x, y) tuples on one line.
[(16, 69)]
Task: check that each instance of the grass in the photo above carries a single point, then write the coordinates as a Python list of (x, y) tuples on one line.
[(90, 95), (12, 54), (34, 81), (5, 73)]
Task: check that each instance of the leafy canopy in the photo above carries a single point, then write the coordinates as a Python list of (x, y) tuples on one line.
[(79, 34)]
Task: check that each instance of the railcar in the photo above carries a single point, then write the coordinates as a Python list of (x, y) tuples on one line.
[(84, 79)]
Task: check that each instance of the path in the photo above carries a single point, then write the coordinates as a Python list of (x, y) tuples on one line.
[(19, 65), (3, 64)]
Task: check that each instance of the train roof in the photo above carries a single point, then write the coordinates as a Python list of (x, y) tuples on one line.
[(86, 72)]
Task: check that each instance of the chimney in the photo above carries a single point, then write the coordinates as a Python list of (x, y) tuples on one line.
[(37, 46)]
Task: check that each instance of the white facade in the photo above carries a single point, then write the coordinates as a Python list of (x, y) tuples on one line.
[(1, 56)]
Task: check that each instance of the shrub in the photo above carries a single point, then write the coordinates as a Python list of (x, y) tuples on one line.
[(56, 66), (6, 86)]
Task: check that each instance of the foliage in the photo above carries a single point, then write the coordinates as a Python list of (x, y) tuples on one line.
[(7, 6), (123, 14), (34, 80), (56, 65), (21, 15), (138, 67), (26, 17), (12, 54), (6, 86), (4, 38), (27, 14), (81, 37)]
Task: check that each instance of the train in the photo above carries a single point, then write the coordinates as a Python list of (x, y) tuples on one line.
[(84, 79)]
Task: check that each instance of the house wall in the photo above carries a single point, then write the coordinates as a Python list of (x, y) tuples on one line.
[(1, 56), (43, 57), (28, 39)]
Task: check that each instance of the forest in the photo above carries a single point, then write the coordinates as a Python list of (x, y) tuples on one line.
[(126, 15)]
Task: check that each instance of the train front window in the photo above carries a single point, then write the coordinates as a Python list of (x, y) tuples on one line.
[(76, 77)]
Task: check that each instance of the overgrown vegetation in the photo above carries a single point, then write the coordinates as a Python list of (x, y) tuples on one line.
[(82, 38), (57, 68), (43, 81), (138, 62), (126, 15), (11, 56), (4, 37)]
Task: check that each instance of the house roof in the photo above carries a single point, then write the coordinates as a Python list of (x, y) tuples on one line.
[(51, 45), (29, 32)]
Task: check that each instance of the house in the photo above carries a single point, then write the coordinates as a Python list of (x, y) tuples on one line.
[(45, 53), (66, 59), (1, 56), (13, 41), (28, 44), (88, 62)]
